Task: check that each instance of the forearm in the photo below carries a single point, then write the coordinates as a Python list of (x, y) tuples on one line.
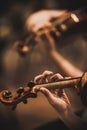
[(64, 64), (72, 121)]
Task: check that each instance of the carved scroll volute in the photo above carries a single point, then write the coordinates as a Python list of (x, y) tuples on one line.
[(21, 95)]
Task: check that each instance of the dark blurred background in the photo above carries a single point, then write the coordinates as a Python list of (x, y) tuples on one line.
[(16, 70)]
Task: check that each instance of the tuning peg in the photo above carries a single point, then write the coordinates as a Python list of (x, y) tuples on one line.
[(25, 101), (20, 90), (31, 84)]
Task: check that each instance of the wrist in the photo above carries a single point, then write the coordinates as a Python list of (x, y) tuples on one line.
[(66, 114), (71, 120)]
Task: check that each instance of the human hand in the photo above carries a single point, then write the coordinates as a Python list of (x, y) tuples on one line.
[(57, 98), (41, 20)]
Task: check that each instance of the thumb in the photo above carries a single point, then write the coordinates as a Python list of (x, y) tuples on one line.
[(47, 93)]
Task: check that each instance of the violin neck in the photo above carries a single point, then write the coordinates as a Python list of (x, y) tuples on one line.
[(61, 24), (66, 21), (66, 83)]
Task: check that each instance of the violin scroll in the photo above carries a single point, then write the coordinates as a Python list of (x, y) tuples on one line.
[(21, 95)]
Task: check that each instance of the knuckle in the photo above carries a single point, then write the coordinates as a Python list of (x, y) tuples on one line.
[(47, 72), (56, 77), (59, 76), (37, 77)]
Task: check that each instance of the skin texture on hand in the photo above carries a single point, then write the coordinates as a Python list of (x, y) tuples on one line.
[(41, 19), (59, 100)]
